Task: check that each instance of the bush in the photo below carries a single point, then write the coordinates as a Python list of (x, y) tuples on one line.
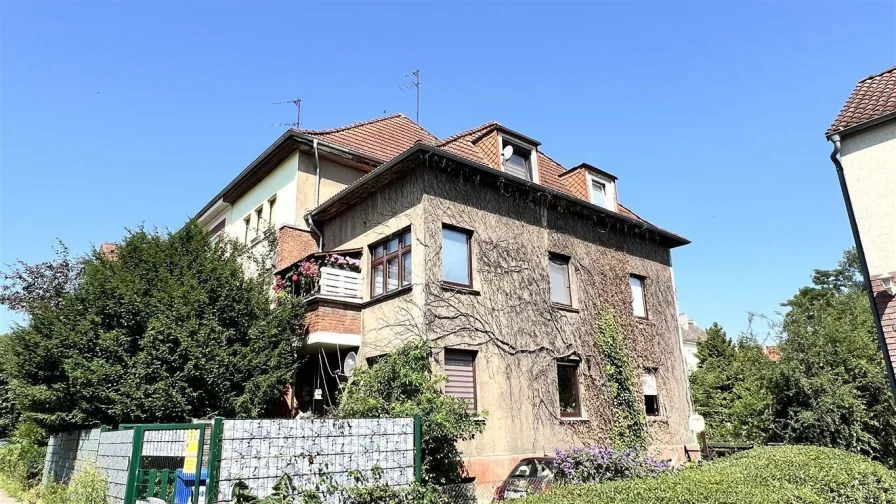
[(598, 464), (21, 466), (770, 475)]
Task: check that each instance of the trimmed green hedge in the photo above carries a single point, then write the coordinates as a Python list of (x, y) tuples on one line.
[(769, 475)]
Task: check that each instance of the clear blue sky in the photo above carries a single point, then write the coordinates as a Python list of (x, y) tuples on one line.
[(711, 115)]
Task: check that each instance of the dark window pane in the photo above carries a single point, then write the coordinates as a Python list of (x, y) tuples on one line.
[(408, 273), (378, 252), (566, 383), (559, 272), (378, 280), (651, 405), (392, 246), (406, 239), (392, 277), (455, 257)]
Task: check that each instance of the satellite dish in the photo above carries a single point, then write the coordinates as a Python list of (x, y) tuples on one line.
[(349, 364), (507, 152)]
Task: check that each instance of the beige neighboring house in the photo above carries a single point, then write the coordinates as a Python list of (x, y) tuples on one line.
[(691, 334), (864, 136), (485, 246)]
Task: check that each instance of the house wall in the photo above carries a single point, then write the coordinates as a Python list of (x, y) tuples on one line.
[(508, 318), (334, 178), (869, 163), (282, 182)]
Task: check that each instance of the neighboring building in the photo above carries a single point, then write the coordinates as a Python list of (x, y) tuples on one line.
[(864, 136), (691, 334), (491, 250)]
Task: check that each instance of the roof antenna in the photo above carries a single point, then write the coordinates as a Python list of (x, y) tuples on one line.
[(416, 84), (298, 103)]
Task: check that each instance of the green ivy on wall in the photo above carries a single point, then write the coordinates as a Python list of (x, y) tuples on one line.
[(628, 429)]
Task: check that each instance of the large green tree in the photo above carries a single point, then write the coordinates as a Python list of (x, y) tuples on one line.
[(167, 327), (728, 387), (831, 387)]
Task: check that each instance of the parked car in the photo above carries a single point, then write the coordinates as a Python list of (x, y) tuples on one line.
[(530, 477)]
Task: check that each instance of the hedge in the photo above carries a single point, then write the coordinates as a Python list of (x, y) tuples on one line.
[(769, 475)]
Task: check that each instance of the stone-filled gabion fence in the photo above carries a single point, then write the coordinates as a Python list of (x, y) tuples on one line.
[(160, 462)]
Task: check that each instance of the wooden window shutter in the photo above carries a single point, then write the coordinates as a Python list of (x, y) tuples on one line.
[(461, 370)]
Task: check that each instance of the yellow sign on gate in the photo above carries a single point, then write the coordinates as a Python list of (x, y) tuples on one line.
[(191, 451)]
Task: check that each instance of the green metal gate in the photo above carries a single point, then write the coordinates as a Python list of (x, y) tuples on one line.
[(174, 463)]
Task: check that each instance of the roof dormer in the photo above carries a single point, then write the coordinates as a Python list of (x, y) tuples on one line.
[(593, 185), (518, 155)]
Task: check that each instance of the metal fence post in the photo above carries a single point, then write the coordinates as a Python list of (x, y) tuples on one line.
[(130, 493), (214, 461), (418, 450), (197, 471)]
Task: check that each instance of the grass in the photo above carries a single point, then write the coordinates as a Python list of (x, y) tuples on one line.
[(769, 475)]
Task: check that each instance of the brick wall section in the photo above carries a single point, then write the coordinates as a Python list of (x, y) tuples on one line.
[(293, 244), (886, 306), (576, 183), (332, 316)]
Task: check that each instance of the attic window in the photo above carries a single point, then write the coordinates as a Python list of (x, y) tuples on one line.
[(599, 193), (516, 160)]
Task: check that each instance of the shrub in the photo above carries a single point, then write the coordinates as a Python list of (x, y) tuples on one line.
[(598, 464), (21, 465), (89, 486), (770, 475), (402, 384)]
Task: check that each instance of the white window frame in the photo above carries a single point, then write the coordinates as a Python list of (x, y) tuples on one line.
[(272, 201), (609, 190), (533, 155), (641, 281)]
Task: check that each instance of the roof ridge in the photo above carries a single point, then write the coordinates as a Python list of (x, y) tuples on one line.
[(468, 132), (892, 68), (354, 125)]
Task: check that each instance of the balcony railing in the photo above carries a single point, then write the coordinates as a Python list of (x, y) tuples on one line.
[(339, 283)]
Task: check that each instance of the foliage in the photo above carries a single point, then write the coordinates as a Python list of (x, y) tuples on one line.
[(597, 464), (830, 388), (629, 426), (9, 416), (729, 387), (88, 486), (168, 327), (366, 489), (402, 384), (771, 475), (22, 461)]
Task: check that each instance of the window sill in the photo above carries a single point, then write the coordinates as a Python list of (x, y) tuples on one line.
[(566, 308), (576, 419), (389, 295), (644, 320), (460, 289), (479, 419), (657, 419)]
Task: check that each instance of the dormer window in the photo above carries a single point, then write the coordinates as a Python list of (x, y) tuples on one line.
[(516, 160), (599, 193)]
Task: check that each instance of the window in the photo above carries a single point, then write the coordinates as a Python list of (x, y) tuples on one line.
[(568, 388), (390, 264), (272, 205), (258, 214), (599, 193), (558, 268), (217, 228), (651, 395), (639, 303), (456, 264), (246, 221), (518, 163), (460, 366)]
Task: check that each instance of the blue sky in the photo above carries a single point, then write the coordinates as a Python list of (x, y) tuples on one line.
[(712, 115)]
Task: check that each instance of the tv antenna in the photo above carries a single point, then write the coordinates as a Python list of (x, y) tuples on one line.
[(415, 84), (298, 103)]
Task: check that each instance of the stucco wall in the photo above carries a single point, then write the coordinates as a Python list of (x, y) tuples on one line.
[(508, 318), (334, 178), (280, 182), (869, 162)]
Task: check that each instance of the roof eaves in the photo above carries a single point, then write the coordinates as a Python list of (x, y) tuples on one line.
[(855, 128)]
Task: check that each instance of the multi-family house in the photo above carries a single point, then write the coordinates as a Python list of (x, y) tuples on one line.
[(691, 335), (864, 138), (491, 250)]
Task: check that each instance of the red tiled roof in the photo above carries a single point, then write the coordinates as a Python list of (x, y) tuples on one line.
[(873, 96), (382, 138)]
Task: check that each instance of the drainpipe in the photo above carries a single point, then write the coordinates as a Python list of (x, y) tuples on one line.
[(316, 175), (866, 276), (320, 237)]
